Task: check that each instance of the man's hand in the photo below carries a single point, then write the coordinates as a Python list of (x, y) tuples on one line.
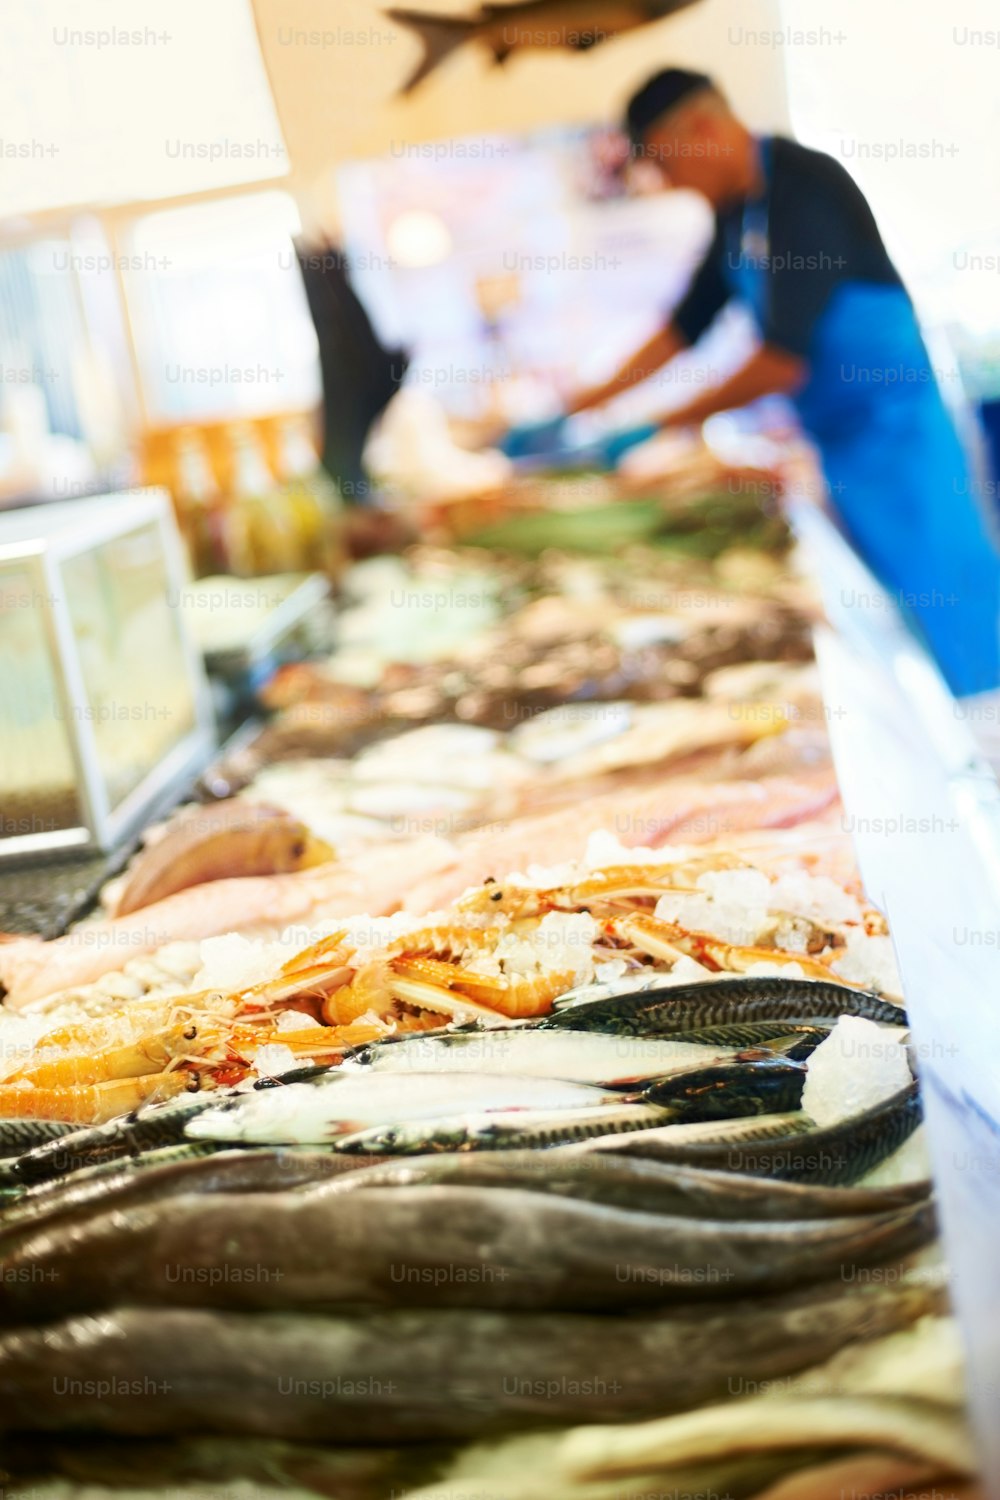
[(533, 439)]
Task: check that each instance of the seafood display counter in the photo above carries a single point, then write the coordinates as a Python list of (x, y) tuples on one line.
[(506, 1090)]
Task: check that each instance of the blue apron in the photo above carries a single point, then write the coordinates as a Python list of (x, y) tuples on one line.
[(896, 471)]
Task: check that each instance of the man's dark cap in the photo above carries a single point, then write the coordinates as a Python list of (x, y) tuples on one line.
[(658, 95)]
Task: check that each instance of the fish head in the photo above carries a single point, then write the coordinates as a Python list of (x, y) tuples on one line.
[(306, 1074), (306, 850), (381, 1140), (361, 1057), (754, 1085)]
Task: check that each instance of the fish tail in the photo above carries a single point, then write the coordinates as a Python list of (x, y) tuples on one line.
[(439, 36)]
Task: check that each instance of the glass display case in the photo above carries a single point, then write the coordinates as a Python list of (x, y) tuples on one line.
[(104, 704)]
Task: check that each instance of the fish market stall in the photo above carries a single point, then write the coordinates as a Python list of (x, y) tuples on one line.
[(499, 1082), (498, 910)]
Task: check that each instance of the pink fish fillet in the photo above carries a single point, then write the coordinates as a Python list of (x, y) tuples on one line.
[(674, 811), (372, 883), (818, 847)]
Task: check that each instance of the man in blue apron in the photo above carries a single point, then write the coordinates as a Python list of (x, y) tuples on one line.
[(796, 242)]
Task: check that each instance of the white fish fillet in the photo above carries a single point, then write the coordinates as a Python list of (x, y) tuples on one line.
[(675, 810)]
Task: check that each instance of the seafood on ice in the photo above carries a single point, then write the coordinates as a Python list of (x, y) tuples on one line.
[(556, 1039), (503, 951)]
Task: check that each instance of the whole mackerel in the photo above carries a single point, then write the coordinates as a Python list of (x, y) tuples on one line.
[(577, 1056), (721, 1002), (759, 1084)]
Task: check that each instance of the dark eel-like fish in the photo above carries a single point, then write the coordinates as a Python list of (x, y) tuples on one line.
[(198, 1167), (633, 1182), (430, 1246), (212, 1465), (424, 1375)]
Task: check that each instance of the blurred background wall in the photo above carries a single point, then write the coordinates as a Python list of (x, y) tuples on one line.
[(150, 193), (354, 114)]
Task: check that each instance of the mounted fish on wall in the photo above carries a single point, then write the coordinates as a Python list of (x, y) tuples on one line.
[(528, 25)]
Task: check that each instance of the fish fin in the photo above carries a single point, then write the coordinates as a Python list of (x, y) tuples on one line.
[(439, 36)]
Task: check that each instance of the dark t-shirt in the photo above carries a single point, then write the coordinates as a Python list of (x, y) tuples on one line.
[(821, 234)]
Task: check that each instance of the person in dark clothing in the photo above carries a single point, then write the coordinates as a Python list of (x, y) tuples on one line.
[(360, 376)]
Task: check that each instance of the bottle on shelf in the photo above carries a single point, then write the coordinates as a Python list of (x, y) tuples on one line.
[(261, 529), (311, 498), (199, 505)]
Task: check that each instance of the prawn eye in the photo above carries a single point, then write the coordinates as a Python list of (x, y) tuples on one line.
[(298, 849)]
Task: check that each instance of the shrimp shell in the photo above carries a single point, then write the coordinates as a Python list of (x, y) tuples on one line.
[(632, 882), (513, 995), (369, 990), (454, 939), (668, 941), (151, 1054), (615, 882), (89, 1104)]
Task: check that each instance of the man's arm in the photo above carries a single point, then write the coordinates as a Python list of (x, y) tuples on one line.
[(768, 372), (704, 299), (653, 355)]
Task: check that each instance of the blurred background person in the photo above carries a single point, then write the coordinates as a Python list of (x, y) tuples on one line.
[(797, 244)]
